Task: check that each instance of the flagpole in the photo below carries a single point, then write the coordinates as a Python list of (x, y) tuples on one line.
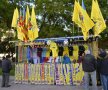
[(78, 31), (73, 29)]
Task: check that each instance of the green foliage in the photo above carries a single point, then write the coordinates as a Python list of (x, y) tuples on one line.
[(7, 47), (54, 17), (6, 10), (12, 72)]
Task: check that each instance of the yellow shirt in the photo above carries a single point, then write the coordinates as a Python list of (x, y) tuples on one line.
[(66, 51), (54, 48), (48, 52), (75, 52)]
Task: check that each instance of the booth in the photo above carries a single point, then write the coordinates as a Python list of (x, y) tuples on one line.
[(40, 63)]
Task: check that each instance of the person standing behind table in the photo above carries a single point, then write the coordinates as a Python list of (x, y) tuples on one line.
[(89, 68), (103, 69), (6, 67)]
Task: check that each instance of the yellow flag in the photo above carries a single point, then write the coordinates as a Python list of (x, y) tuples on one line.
[(27, 16), (33, 32), (30, 35), (34, 24), (15, 21), (20, 34), (81, 18), (97, 17), (15, 18), (28, 24)]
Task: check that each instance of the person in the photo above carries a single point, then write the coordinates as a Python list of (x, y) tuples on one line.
[(102, 66), (6, 67), (89, 68), (100, 55)]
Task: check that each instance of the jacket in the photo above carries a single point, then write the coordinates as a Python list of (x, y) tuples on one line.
[(89, 63), (6, 66), (102, 64)]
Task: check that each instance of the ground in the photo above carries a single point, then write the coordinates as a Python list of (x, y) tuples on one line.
[(40, 87)]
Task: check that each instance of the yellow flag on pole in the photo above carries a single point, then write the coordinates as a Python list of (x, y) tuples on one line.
[(81, 18), (34, 23), (15, 18), (20, 34), (27, 16), (34, 29), (30, 35), (97, 17)]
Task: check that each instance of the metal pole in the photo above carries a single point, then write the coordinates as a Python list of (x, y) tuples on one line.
[(73, 29), (78, 31), (15, 55)]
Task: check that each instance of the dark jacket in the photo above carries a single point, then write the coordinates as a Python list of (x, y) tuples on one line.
[(89, 63), (102, 64), (6, 66)]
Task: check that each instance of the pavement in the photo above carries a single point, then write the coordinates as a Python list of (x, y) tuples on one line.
[(41, 87)]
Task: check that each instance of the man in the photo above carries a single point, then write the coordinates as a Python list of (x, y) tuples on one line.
[(89, 68), (6, 67), (102, 66)]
